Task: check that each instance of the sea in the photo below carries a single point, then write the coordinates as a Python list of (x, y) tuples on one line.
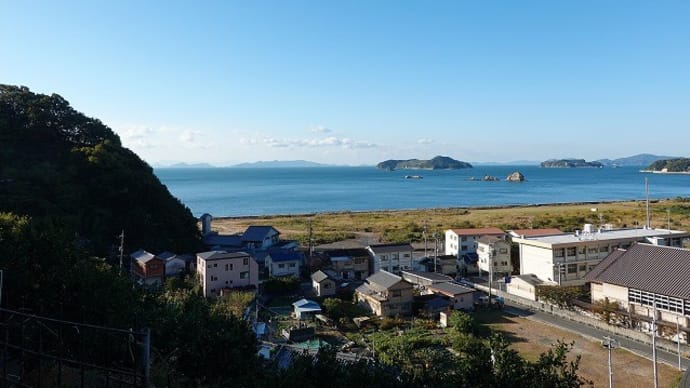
[(271, 191)]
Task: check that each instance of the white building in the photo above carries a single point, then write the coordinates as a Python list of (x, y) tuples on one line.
[(390, 257), (219, 270), (565, 259), (645, 275), (462, 243), (284, 263), (494, 256)]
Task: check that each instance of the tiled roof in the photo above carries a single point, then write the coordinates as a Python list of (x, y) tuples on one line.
[(646, 267), (432, 276), (217, 255), (257, 233), (382, 280), (451, 288), (385, 248), (319, 276), (479, 231), (280, 256), (489, 239), (142, 256), (365, 289), (535, 232)]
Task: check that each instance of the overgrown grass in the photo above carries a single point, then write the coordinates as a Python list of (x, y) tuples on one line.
[(408, 225)]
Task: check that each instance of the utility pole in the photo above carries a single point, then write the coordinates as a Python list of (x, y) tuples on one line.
[(610, 344), (656, 377), (122, 248), (425, 240), (680, 367), (646, 190), (435, 249)]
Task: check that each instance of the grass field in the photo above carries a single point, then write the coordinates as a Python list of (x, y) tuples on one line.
[(408, 225)]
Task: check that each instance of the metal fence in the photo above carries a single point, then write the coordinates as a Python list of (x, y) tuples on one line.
[(44, 352)]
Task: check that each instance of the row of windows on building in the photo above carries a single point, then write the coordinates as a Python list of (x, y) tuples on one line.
[(394, 256), (455, 246), (575, 268), (455, 238), (243, 275), (574, 251), (496, 263), (290, 265), (228, 267), (663, 302)]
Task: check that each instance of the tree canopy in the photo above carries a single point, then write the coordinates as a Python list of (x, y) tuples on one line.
[(57, 163)]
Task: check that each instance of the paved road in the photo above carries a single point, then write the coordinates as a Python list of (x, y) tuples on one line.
[(638, 348)]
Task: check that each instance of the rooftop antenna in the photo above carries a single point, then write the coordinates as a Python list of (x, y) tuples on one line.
[(646, 189)]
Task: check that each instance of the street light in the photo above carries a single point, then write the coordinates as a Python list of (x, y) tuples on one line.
[(610, 343)]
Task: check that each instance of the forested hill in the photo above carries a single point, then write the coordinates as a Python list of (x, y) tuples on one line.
[(58, 164)]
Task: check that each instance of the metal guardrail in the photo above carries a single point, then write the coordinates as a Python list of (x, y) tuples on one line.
[(39, 351)]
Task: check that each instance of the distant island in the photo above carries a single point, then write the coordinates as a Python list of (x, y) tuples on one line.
[(670, 166), (281, 164), (437, 163), (570, 163), (186, 165), (635, 160)]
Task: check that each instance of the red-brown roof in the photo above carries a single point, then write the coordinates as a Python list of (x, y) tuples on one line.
[(536, 232), (479, 232)]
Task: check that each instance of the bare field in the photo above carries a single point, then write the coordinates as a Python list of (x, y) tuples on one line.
[(407, 225), (531, 338)]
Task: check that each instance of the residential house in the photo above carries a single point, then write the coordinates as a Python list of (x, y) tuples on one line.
[(493, 255), (462, 243), (350, 264), (219, 270), (525, 286), (322, 284), (147, 269), (564, 259), (645, 275), (306, 309), (461, 297), (259, 241), (284, 263), (390, 257), (386, 294), (174, 264), (422, 280)]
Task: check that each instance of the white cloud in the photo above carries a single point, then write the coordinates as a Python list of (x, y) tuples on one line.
[(319, 129), (189, 137), (425, 140), (331, 141)]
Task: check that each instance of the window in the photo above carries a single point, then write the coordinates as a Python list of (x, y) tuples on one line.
[(244, 275), (384, 258), (463, 239), (581, 250), (215, 264), (245, 261), (504, 263), (406, 255), (583, 267), (464, 247), (281, 265), (226, 267), (572, 251), (592, 250), (559, 252), (572, 268), (291, 265), (604, 249)]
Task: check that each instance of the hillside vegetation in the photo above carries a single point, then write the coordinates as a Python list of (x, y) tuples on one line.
[(671, 165), (58, 164), (569, 163), (437, 163)]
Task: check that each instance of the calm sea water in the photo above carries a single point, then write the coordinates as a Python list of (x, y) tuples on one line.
[(260, 191)]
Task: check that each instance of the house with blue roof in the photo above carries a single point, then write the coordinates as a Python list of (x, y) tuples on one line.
[(284, 263)]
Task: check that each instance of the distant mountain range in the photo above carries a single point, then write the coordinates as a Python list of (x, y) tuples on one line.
[(437, 163), (185, 165), (281, 164), (635, 160), (570, 163)]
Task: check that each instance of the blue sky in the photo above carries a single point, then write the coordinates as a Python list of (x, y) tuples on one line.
[(357, 82)]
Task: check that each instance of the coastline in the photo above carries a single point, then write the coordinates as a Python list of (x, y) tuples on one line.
[(440, 209), (666, 172)]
